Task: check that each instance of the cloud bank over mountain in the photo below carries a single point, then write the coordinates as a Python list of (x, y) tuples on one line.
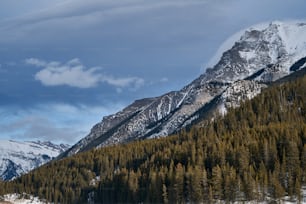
[(108, 53)]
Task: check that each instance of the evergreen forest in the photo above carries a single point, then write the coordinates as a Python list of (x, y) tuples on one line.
[(254, 152)]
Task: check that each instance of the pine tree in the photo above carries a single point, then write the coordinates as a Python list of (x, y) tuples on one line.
[(165, 194), (217, 182)]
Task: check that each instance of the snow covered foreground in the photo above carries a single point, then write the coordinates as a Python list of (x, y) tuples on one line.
[(21, 199), (29, 199)]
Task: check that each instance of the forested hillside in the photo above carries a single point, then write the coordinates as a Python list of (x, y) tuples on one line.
[(255, 152)]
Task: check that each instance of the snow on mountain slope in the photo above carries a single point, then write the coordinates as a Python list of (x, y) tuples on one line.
[(290, 26), (239, 91), (262, 54), (17, 158), (278, 45)]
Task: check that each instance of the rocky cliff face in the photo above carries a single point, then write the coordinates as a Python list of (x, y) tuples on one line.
[(260, 56)]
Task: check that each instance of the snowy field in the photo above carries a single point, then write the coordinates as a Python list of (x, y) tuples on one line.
[(21, 199), (28, 199), (17, 199)]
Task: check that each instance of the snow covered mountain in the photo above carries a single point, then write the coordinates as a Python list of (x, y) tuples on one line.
[(17, 158), (261, 55)]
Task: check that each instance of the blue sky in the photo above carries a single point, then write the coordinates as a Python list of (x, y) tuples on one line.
[(64, 64)]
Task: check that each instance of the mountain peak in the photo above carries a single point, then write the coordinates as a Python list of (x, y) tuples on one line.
[(291, 32), (258, 47), (261, 54)]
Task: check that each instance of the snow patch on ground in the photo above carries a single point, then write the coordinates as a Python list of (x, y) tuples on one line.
[(21, 199), (222, 109), (283, 200)]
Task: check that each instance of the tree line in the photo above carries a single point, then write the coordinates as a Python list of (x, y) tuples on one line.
[(254, 152)]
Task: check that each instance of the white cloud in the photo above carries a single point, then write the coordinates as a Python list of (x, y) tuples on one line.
[(79, 9), (75, 76), (73, 73), (37, 126), (56, 122), (75, 16), (36, 62), (134, 82), (164, 79)]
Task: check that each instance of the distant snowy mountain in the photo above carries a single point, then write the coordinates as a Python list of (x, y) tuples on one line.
[(261, 55), (17, 158)]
